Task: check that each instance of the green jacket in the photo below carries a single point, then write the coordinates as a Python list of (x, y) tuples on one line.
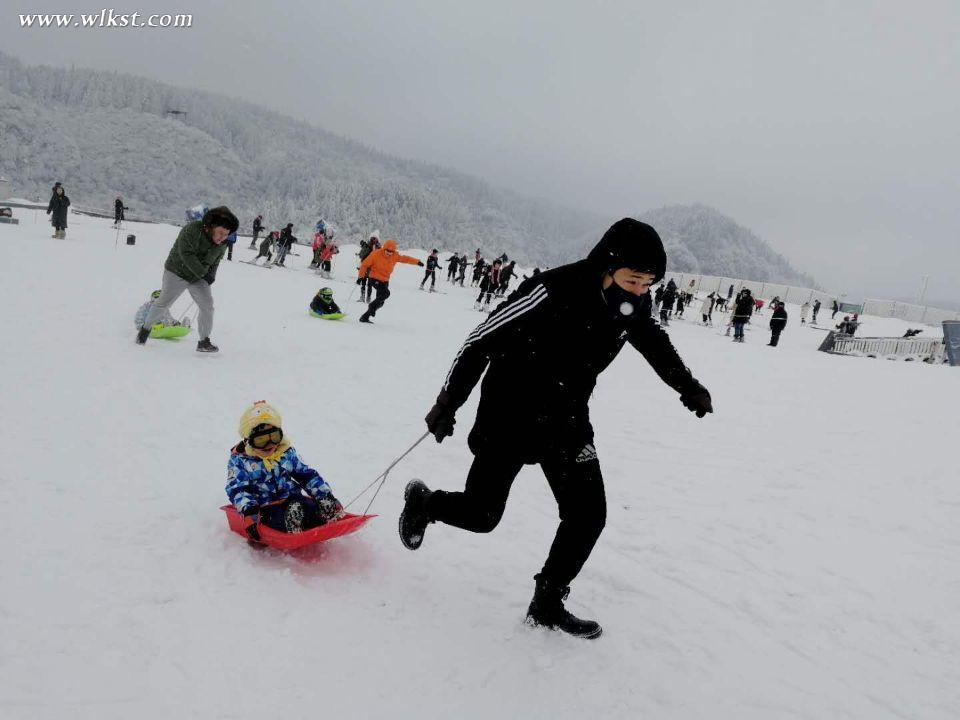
[(194, 255)]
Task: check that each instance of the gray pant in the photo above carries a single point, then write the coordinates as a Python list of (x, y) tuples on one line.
[(172, 288)]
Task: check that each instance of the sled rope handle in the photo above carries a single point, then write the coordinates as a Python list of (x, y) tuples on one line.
[(189, 308), (382, 477)]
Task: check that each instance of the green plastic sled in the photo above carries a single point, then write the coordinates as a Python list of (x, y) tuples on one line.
[(169, 332), (330, 316)]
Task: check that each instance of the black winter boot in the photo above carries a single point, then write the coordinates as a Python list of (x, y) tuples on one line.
[(413, 519), (546, 610), (365, 318), (206, 346), (142, 335)]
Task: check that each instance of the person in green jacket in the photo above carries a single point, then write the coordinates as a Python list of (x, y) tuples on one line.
[(192, 266)]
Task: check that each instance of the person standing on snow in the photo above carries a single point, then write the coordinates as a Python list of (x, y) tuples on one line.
[(118, 209), (257, 229), (706, 309), (287, 240), (777, 323), (327, 251), (57, 209), (192, 266), (373, 243), (453, 262), (743, 309), (506, 274), (433, 262), (462, 269), (816, 309), (489, 283), (379, 264), (546, 345)]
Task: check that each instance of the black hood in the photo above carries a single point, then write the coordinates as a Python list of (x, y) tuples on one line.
[(630, 244)]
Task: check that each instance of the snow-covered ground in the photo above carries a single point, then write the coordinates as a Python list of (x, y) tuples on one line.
[(795, 555)]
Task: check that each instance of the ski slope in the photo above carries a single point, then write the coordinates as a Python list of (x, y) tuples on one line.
[(794, 555)]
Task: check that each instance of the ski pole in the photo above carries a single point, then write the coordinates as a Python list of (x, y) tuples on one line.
[(382, 477)]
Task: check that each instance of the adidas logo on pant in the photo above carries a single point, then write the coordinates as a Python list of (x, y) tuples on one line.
[(587, 454)]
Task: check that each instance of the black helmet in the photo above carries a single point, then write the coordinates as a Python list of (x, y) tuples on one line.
[(630, 244), (221, 217)]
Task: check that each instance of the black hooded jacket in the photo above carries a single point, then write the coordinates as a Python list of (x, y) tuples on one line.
[(546, 345), (779, 320)]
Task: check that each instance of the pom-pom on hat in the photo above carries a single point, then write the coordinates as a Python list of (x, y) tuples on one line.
[(260, 413)]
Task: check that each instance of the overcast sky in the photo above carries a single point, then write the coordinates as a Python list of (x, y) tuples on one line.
[(832, 129)]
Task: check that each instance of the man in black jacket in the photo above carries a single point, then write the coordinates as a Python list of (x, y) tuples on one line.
[(433, 262), (118, 208), (777, 323), (742, 310), (257, 229), (547, 344)]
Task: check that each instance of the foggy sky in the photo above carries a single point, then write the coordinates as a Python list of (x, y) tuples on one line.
[(830, 129)]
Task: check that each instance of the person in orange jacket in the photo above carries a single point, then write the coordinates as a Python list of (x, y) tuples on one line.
[(380, 264)]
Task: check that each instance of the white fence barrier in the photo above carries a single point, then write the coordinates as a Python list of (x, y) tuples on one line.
[(906, 311), (929, 350), (704, 284)]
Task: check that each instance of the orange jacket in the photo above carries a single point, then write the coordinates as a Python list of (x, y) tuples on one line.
[(380, 264)]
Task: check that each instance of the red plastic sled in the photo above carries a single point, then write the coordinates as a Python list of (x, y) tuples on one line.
[(290, 541)]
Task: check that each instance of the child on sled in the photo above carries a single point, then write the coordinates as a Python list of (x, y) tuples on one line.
[(166, 320), (269, 484), (323, 304)]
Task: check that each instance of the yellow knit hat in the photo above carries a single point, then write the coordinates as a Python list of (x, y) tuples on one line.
[(260, 413)]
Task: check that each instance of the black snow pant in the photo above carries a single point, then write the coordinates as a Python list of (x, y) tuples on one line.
[(452, 273), (429, 275), (363, 282), (664, 318), (253, 242), (577, 484), (775, 337), (230, 251), (485, 289), (118, 217), (383, 292)]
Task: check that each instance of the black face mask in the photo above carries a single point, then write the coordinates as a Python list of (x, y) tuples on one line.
[(622, 305)]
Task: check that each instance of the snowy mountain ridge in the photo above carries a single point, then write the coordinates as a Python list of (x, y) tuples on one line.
[(105, 133)]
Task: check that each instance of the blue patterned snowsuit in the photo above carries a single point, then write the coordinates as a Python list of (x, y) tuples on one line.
[(249, 483)]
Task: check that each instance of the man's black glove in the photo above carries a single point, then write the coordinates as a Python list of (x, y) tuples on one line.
[(419, 263), (209, 277), (440, 420), (696, 399)]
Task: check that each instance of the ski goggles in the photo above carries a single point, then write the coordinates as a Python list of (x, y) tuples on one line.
[(262, 438)]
